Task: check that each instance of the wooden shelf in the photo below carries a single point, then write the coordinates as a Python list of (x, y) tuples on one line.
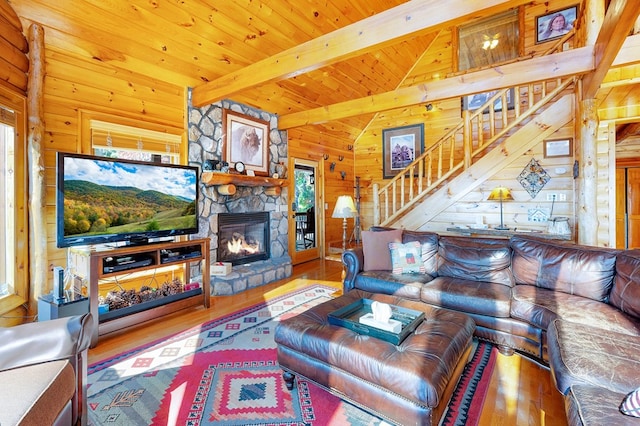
[(212, 178)]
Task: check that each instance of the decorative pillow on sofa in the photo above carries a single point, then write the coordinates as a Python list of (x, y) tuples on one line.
[(631, 404), (375, 247), (406, 258)]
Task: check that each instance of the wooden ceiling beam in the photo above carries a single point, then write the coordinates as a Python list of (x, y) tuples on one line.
[(535, 69), (563, 64), (618, 22), (355, 39)]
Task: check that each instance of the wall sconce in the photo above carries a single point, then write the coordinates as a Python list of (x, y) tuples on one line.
[(429, 107), (340, 157), (350, 147), (326, 157)]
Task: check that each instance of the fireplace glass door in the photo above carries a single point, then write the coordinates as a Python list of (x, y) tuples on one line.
[(243, 237)]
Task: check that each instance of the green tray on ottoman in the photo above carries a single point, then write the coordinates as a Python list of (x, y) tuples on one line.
[(349, 315)]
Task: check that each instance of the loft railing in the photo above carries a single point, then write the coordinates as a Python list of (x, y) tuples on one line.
[(459, 148)]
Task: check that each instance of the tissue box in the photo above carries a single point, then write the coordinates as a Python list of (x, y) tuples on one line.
[(392, 326), (221, 268)]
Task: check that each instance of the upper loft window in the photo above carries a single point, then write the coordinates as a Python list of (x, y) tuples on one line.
[(131, 143), (489, 41)]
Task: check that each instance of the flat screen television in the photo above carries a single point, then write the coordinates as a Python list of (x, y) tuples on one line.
[(103, 200)]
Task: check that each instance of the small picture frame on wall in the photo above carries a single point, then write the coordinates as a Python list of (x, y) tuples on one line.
[(246, 140), (400, 147), (556, 148), (555, 24)]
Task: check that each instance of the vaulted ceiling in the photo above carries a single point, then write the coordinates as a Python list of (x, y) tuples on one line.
[(271, 54)]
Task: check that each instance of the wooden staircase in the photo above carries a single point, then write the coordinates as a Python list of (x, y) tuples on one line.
[(484, 142)]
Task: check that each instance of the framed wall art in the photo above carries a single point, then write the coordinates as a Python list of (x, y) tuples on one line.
[(555, 24), (558, 148), (475, 101), (400, 147), (246, 140)]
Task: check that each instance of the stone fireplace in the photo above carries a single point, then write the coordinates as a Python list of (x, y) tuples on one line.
[(243, 237), (206, 142)]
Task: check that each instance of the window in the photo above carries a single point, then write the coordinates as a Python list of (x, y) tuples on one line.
[(489, 41), (7, 214), (14, 265), (132, 143)]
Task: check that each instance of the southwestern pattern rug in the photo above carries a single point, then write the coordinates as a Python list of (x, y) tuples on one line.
[(225, 372)]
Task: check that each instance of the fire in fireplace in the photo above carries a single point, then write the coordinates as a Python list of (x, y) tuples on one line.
[(243, 237)]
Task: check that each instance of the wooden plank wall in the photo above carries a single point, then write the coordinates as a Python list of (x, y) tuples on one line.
[(72, 86)]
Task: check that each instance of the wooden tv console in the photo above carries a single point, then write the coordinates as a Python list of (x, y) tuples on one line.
[(127, 260)]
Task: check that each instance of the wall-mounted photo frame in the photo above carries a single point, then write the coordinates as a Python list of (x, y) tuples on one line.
[(400, 147), (555, 24), (555, 148), (246, 140), (475, 101)]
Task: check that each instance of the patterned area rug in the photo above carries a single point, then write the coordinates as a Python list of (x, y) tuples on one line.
[(225, 372)]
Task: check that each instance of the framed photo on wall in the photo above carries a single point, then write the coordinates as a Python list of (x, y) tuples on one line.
[(475, 101), (555, 24), (558, 148), (246, 140), (400, 147)]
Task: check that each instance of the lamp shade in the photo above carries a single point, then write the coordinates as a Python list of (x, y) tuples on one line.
[(500, 193), (345, 207)]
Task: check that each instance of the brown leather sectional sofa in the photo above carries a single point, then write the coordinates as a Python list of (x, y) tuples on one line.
[(574, 307)]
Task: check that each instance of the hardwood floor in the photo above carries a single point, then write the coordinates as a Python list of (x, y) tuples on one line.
[(521, 391)]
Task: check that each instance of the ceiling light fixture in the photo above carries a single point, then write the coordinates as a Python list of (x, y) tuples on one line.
[(490, 42)]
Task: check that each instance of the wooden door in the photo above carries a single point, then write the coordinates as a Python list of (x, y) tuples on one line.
[(305, 220), (621, 209), (633, 207)]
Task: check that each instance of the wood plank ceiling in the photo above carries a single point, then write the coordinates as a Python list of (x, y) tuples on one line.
[(192, 43)]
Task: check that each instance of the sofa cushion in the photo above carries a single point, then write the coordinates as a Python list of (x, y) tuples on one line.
[(406, 258), (583, 354), (580, 270), (375, 245), (51, 385), (625, 294), (407, 286), (475, 259), (477, 297), (539, 306), (594, 406)]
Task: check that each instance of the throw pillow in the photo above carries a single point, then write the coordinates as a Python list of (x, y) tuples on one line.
[(406, 258), (631, 404), (375, 247)]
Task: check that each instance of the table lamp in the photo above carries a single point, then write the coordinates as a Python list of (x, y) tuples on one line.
[(500, 193), (344, 209)]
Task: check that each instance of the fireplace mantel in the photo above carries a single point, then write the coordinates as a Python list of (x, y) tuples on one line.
[(214, 178)]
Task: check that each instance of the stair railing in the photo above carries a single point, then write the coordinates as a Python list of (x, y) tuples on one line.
[(477, 132)]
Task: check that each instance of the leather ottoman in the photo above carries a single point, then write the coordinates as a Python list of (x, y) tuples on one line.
[(410, 383)]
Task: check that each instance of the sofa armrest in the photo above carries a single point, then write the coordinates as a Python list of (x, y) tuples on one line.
[(353, 260), (32, 343)]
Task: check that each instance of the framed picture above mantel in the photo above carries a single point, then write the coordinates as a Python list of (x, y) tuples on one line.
[(246, 141)]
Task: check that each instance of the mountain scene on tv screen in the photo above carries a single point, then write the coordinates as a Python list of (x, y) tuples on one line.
[(91, 209)]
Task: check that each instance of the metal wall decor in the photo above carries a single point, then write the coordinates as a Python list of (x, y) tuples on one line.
[(533, 178)]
